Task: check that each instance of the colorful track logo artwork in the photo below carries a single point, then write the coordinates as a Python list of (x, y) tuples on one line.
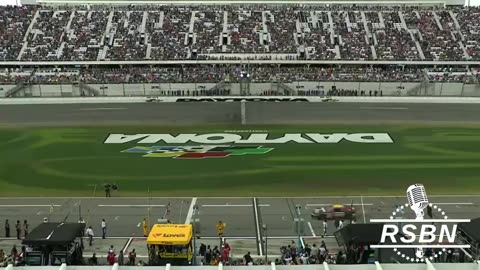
[(197, 151)]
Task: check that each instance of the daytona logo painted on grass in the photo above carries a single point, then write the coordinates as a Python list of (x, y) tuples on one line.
[(255, 138), (197, 151)]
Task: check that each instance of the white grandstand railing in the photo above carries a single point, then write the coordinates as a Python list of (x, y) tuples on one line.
[(236, 62)]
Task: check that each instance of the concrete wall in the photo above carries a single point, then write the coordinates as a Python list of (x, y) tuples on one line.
[(449, 89), (49, 90), (471, 90), (258, 88), (388, 88), (67, 90), (138, 89), (135, 89), (35, 91), (4, 89), (309, 86), (235, 88)]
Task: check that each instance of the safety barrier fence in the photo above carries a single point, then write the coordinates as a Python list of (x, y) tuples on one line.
[(100, 100)]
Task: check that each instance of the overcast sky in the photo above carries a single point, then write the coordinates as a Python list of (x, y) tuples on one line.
[(12, 2)]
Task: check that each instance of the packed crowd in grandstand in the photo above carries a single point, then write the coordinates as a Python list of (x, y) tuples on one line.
[(142, 33), (32, 33), (235, 73)]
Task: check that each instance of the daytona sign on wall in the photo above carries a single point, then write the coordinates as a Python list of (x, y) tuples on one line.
[(256, 138)]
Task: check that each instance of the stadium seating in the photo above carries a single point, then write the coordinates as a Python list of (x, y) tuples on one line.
[(14, 22), (142, 33), (38, 33), (85, 38), (233, 73)]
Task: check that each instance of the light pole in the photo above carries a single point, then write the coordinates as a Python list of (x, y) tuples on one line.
[(297, 208), (195, 208), (266, 243)]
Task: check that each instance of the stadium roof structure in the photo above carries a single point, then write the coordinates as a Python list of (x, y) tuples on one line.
[(54, 233)]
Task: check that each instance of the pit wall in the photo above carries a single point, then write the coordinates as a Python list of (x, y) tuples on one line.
[(4, 89)]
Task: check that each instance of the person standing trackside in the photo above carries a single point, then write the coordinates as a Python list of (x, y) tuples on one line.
[(340, 224), (104, 229), (111, 258), (220, 227), (248, 259), (89, 233), (25, 228), (323, 245), (145, 228), (93, 260), (18, 227), (325, 228), (120, 257), (131, 257), (208, 255), (107, 191), (7, 228)]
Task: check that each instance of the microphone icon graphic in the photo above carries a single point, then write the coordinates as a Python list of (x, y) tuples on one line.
[(418, 201)]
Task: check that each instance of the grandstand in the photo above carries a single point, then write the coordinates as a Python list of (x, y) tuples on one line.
[(431, 34), (232, 49)]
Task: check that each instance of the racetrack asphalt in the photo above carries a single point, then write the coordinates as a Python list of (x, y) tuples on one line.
[(256, 113), (243, 219)]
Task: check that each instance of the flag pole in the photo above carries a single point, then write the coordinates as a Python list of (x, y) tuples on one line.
[(149, 209)]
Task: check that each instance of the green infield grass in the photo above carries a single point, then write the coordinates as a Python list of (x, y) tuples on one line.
[(72, 161)]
